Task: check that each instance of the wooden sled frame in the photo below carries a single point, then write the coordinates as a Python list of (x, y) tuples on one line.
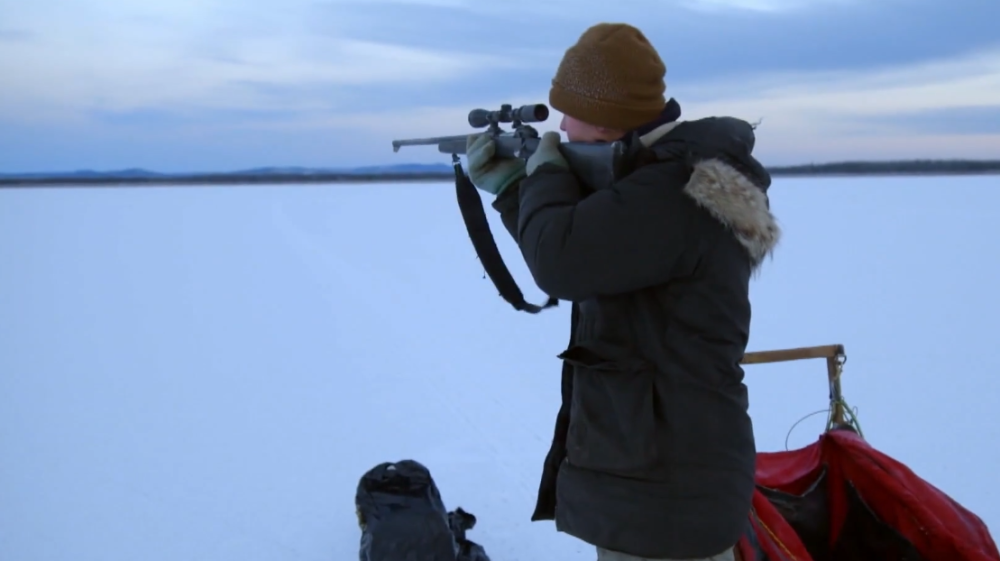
[(835, 359)]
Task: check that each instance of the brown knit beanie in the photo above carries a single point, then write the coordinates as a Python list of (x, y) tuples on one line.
[(612, 77)]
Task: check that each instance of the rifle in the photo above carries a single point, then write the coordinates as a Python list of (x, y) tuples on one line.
[(596, 165)]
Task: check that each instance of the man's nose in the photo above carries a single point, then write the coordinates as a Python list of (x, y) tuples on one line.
[(562, 124)]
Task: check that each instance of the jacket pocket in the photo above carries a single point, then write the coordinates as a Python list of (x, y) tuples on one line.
[(613, 412)]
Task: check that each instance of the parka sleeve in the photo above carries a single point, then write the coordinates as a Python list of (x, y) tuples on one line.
[(614, 241)]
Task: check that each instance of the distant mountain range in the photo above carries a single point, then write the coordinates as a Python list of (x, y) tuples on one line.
[(442, 171), (281, 171)]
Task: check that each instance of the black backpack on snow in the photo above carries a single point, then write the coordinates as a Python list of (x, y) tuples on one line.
[(403, 518)]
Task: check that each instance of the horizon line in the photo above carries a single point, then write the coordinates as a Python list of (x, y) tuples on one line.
[(374, 168)]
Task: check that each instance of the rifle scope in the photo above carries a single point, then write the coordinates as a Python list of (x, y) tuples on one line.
[(479, 118)]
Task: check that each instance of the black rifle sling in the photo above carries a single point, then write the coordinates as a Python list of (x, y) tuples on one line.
[(471, 205)]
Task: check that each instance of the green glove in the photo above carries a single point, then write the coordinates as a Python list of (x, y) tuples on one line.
[(487, 171), (547, 153)]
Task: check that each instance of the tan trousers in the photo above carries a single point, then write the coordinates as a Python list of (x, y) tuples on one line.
[(608, 555)]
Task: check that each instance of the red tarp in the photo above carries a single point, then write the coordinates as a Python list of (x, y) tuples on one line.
[(841, 499)]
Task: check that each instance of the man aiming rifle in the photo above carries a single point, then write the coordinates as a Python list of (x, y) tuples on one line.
[(653, 453)]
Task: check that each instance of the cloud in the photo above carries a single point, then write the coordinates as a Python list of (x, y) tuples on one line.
[(966, 81), (763, 6), (697, 43), (244, 82), (139, 60), (14, 35), (951, 121), (873, 112), (944, 108), (595, 9)]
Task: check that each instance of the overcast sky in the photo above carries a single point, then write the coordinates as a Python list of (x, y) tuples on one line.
[(230, 84)]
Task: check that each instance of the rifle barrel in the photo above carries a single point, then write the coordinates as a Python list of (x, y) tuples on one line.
[(397, 144)]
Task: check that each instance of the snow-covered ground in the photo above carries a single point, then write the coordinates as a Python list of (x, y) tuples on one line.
[(203, 374)]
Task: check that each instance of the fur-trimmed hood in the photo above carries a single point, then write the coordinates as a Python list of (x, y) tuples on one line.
[(732, 198)]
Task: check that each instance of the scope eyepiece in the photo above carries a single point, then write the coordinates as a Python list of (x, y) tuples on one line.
[(535, 113)]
